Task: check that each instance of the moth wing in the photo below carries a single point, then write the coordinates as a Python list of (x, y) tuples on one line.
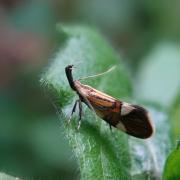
[(135, 121), (132, 119)]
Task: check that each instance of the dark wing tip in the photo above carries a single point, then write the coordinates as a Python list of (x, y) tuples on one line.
[(137, 122)]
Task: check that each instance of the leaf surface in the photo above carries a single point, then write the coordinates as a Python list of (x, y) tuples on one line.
[(101, 154)]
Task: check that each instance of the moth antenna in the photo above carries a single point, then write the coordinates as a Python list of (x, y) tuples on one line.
[(96, 75)]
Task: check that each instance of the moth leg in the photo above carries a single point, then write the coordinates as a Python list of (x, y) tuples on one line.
[(73, 110), (80, 114)]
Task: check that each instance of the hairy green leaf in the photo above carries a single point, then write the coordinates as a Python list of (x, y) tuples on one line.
[(101, 154)]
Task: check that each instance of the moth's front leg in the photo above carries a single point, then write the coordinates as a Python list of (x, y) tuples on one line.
[(73, 110)]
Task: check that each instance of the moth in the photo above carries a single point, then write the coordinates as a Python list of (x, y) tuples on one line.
[(132, 119)]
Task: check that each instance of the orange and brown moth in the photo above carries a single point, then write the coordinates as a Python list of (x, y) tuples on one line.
[(132, 119)]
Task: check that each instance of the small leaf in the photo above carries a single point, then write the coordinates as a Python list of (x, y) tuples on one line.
[(171, 170), (101, 154)]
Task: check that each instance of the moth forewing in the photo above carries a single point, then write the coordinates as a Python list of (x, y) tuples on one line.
[(136, 121)]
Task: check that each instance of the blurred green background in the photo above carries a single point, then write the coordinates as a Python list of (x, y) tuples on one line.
[(145, 33)]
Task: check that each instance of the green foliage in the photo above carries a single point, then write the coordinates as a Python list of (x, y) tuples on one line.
[(171, 170), (102, 154), (158, 76), (94, 145)]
